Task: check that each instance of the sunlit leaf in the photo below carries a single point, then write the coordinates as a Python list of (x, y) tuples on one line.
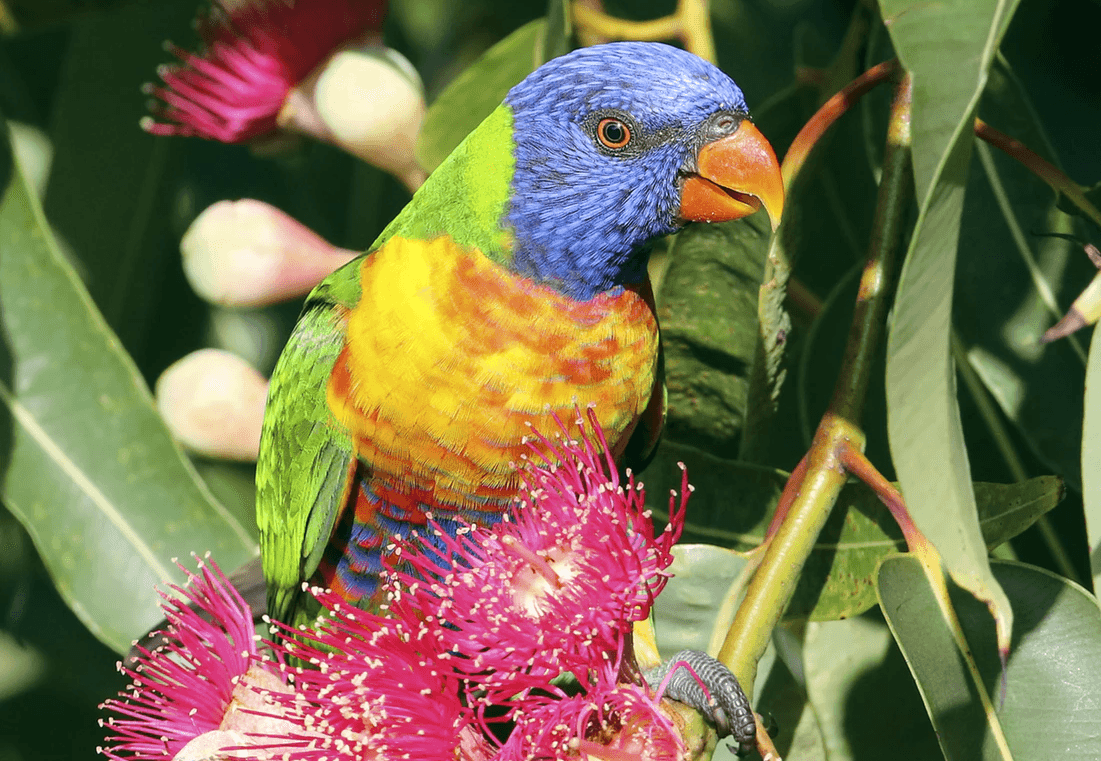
[(477, 91), (947, 48), (1053, 678), (1091, 458), (88, 466)]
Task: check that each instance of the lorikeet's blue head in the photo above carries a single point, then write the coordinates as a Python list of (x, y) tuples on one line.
[(618, 144)]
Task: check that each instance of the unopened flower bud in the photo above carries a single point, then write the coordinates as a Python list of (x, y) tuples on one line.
[(249, 253), (372, 102), (213, 402)]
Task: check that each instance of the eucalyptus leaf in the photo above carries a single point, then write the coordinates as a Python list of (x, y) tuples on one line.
[(477, 91), (707, 306), (1053, 674), (947, 48), (1000, 320), (862, 692), (88, 466), (733, 503), (1091, 456)]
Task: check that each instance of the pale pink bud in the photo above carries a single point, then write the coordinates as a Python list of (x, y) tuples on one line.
[(372, 102), (213, 402), (249, 253)]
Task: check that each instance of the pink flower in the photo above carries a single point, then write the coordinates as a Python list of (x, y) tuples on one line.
[(257, 52), (616, 722), (377, 687), (207, 685), (557, 585)]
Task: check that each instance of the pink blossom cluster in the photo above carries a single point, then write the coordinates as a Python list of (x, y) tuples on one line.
[(503, 643)]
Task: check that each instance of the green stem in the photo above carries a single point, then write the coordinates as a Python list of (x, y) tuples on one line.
[(839, 433), (1039, 166), (767, 375)]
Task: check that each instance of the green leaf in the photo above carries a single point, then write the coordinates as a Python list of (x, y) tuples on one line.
[(733, 503), (862, 692), (690, 613), (947, 48), (467, 101), (1000, 319), (88, 466), (707, 306), (1053, 676), (1092, 193), (1091, 456)]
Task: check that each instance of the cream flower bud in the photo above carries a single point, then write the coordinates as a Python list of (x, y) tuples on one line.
[(372, 102), (249, 253), (213, 402)]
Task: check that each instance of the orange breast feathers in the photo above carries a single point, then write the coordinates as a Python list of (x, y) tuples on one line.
[(449, 356)]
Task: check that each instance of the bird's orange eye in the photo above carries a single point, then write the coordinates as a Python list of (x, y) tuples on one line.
[(613, 133)]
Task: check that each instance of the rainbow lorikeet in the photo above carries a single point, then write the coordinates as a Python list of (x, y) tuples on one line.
[(511, 288)]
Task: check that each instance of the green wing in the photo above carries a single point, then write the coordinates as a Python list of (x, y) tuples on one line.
[(306, 464)]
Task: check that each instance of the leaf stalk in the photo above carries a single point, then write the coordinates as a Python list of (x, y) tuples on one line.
[(839, 437)]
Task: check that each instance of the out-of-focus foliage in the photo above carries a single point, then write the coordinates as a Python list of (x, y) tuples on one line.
[(98, 499)]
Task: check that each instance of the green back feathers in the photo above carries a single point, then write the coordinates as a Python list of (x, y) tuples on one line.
[(466, 198)]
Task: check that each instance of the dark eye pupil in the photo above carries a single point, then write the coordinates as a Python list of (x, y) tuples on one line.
[(614, 132)]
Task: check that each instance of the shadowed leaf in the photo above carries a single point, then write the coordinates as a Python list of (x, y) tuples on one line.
[(88, 466), (1053, 678)]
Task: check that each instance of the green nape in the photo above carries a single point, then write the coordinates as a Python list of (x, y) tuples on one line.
[(466, 198)]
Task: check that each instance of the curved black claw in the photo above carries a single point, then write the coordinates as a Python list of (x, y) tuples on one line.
[(728, 707)]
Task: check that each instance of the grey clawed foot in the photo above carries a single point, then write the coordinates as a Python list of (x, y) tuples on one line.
[(728, 706)]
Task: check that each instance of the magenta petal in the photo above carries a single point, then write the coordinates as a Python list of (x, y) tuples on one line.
[(256, 52)]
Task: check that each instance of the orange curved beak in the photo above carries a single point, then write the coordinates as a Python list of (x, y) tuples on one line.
[(736, 175)]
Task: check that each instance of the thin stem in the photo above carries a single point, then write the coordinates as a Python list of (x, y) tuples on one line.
[(765, 746), (871, 298), (8, 24), (695, 27), (612, 28), (860, 466), (838, 435), (691, 24), (774, 322), (832, 110), (1039, 166)]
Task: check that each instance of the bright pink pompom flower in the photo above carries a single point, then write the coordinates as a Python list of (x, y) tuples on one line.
[(188, 687), (256, 52), (554, 588)]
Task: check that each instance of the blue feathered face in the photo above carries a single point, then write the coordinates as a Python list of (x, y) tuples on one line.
[(604, 139)]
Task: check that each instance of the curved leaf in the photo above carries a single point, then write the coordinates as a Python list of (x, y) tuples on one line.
[(733, 503), (947, 47), (1091, 456), (88, 466), (467, 101), (1053, 676), (707, 306)]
